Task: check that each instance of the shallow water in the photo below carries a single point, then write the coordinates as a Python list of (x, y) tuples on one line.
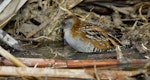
[(57, 50)]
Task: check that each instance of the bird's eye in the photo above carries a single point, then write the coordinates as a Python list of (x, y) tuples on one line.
[(64, 23)]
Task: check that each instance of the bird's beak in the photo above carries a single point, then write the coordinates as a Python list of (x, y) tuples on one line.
[(59, 27)]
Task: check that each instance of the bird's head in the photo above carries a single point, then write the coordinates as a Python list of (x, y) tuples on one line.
[(69, 22)]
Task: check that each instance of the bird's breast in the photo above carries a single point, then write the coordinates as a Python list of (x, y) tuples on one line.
[(77, 43)]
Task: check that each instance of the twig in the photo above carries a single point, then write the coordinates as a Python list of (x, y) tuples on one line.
[(132, 28), (119, 52), (42, 72), (68, 73), (62, 8), (96, 74), (71, 63), (4, 4), (140, 12), (14, 60), (6, 38), (11, 58), (121, 10)]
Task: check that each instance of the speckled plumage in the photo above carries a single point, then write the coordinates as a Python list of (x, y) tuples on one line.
[(86, 37)]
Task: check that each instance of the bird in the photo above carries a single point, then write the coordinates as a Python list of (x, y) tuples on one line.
[(88, 37)]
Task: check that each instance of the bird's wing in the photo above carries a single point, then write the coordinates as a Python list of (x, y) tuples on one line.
[(97, 36), (94, 33)]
